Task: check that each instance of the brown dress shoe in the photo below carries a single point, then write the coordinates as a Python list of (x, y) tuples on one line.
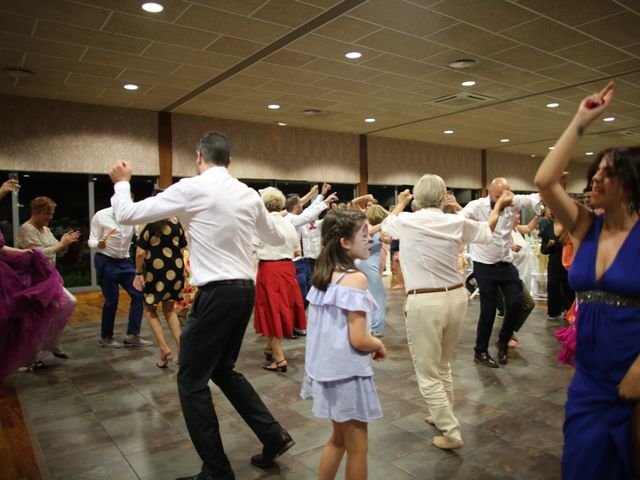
[(483, 358)]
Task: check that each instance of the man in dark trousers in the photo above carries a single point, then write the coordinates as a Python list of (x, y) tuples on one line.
[(222, 215)]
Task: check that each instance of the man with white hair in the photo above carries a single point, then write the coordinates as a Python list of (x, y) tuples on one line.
[(493, 268)]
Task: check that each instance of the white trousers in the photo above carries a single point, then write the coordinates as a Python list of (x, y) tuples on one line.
[(434, 327)]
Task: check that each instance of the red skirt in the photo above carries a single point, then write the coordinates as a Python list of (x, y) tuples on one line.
[(279, 305)]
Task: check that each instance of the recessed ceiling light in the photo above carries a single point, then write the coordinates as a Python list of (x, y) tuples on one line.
[(152, 7), (468, 83), (26, 175), (130, 86), (464, 63), (533, 155), (552, 148), (18, 72), (273, 106), (588, 154), (608, 119), (282, 124), (448, 132), (504, 140), (369, 120), (353, 55), (553, 105)]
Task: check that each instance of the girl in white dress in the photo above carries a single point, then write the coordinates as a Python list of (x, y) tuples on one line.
[(338, 374)]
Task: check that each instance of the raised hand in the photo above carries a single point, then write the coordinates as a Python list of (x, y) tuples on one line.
[(592, 107), (120, 172)]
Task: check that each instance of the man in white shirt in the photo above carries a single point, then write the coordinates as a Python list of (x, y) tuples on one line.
[(493, 269), (222, 215), (114, 269)]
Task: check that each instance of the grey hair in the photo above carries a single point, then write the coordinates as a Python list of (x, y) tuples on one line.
[(429, 191), (273, 199)]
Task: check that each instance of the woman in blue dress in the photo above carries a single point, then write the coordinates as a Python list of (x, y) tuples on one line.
[(606, 276), (371, 268)]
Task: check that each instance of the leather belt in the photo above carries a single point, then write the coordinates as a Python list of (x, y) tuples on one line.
[(434, 290), (226, 283), (278, 260)]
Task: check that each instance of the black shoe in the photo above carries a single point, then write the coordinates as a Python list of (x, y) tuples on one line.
[(200, 476), (273, 450), (483, 358), (503, 354), (299, 333)]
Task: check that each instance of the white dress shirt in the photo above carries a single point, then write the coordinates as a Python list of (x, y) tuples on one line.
[(280, 252), (521, 258), (118, 243), (499, 250), (221, 214), (311, 237), (430, 243), (308, 215)]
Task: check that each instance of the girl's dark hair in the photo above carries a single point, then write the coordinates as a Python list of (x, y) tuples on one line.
[(156, 227), (625, 165), (337, 224)]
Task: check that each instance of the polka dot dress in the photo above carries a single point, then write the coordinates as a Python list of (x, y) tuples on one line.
[(163, 265)]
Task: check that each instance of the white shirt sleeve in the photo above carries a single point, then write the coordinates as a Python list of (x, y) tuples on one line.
[(171, 202), (309, 214), (470, 210), (476, 232), (526, 201), (390, 226), (95, 233), (266, 228)]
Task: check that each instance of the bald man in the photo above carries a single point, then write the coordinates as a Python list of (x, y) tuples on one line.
[(493, 269)]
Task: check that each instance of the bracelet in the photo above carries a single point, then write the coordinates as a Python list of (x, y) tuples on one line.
[(138, 273)]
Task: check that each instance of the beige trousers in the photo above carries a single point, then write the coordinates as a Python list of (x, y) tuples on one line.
[(434, 326)]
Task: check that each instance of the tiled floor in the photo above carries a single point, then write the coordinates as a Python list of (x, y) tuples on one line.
[(113, 414)]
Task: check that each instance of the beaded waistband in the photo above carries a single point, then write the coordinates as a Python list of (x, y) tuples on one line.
[(598, 296)]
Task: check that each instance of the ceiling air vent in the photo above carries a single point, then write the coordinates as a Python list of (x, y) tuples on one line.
[(312, 112), (462, 99)]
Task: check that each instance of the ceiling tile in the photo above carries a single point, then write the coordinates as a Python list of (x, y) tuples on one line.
[(98, 82), (104, 57), (10, 57), (287, 12), (177, 54), (572, 12), (328, 47), (402, 16), (34, 62), (401, 82), (19, 24), (483, 14), (347, 29), (289, 58), (621, 29), (306, 102), (62, 11), (244, 80), (527, 58), (570, 73), (395, 64), (235, 46), (546, 35), (40, 46), (340, 69), (593, 54), (172, 10), (130, 75), (245, 7), (401, 44), (197, 73), (471, 39), (286, 87), (401, 96), (217, 21), (91, 38), (278, 72), (621, 67), (346, 85), (140, 27)]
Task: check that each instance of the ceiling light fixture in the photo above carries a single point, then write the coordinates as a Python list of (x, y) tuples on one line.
[(553, 105), (130, 86), (552, 148), (152, 7), (273, 106), (18, 72), (448, 132), (533, 155), (608, 119), (369, 120), (464, 63), (505, 140), (468, 83), (588, 154), (282, 124), (353, 55)]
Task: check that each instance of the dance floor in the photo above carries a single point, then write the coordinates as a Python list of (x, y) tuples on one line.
[(113, 414)]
